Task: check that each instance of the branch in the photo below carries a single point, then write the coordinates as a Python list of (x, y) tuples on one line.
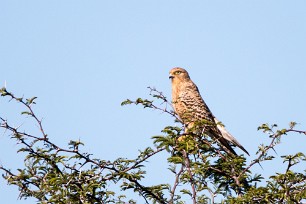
[(263, 152), (298, 131), (28, 104), (187, 163), (133, 166), (176, 182), (20, 137), (270, 146)]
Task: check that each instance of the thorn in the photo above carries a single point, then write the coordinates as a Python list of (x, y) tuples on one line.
[(274, 151), (260, 165)]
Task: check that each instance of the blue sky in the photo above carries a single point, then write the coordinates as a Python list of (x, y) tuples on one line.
[(83, 58)]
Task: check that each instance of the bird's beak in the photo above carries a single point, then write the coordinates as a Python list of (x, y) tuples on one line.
[(171, 77)]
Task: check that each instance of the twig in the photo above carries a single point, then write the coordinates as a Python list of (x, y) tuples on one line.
[(257, 160), (176, 182), (187, 163)]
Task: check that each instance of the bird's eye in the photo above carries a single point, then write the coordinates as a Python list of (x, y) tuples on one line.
[(178, 72)]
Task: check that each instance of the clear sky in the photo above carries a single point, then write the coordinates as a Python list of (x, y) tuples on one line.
[(83, 58)]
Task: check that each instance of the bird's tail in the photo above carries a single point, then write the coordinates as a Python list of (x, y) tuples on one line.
[(226, 135)]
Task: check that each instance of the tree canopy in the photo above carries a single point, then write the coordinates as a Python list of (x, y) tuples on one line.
[(202, 171)]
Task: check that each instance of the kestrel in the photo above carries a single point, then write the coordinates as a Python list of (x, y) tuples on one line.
[(191, 108)]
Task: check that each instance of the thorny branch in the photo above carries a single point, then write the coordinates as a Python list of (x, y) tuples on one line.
[(86, 158), (226, 174), (272, 144), (20, 136)]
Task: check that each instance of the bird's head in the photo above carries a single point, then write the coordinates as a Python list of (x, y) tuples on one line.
[(178, 74)]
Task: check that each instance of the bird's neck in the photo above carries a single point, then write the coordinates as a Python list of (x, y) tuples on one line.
[(179, 87)]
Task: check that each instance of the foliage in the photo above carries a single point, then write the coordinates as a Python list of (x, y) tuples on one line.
[(201, 170)]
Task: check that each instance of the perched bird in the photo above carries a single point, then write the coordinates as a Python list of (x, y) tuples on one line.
[(191, 108)]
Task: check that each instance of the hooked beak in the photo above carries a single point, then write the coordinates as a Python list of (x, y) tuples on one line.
[(171, 77)]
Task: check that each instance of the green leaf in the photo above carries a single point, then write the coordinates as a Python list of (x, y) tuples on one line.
[(126, 102), (175, 159), (31, 100), (26, 113), (292, 124)]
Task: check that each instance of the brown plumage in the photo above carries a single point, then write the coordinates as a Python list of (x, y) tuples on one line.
[(190, 107)]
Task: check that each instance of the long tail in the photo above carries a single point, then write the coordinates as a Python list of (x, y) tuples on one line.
[(226, 135)]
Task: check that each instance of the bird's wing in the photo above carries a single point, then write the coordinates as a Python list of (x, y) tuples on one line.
[(226, 135), (216, 134), (198, 110)]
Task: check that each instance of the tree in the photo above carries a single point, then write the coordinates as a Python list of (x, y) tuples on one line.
[(201, 169)]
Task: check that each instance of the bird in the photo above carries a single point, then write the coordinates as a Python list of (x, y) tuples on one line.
[(190, 107)]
